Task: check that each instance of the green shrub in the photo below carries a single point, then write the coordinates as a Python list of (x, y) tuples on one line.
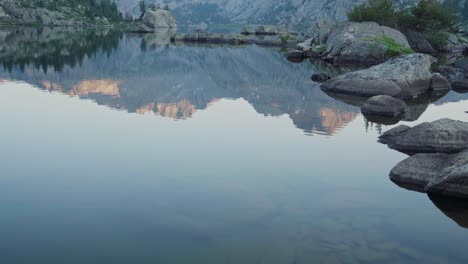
[(379, 11), (427, 15)]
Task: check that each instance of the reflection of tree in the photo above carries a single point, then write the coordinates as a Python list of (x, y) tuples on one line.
[(44, 48)]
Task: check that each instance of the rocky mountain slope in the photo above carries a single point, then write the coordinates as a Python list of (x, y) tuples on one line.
[(59, 12), (293, 13)]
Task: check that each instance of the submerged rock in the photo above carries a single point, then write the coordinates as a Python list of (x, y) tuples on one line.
[(441, 136), (351, 42), (404, 77), (384, 105), (445, 174)]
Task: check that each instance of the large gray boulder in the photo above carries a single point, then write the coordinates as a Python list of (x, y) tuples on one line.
[(441, 136), (159, 18), (445, 174), (403, 77), (419, 43), (351, 42), (384, 105)]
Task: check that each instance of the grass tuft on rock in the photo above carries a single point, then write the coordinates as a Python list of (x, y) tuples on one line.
[(394, 48)]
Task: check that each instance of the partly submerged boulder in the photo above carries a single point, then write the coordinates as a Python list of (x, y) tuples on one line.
[(159, 18), (403, 77), (384, 105), (445, 174), (351, 42), (441, 136)]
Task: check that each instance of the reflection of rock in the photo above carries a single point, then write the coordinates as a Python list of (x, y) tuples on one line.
[(160, 37), (334, 120), (454, 208), (182, 109), (402, 77), (445, 174), (104, 87), (442, 136)]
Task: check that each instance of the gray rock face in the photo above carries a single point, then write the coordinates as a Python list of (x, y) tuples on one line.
[(12, 11), (441, 136), (291, 13), (384, 105), (455, 43), (419, 43), (350, 42), (404, 77), (445, 174), (159, 18)]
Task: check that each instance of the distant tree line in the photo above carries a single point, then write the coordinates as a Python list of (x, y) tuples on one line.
[(90, 9)]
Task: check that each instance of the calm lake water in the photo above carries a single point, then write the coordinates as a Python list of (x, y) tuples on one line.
[(121, 149)]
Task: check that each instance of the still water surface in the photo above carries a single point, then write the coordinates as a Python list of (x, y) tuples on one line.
[(116, 150)]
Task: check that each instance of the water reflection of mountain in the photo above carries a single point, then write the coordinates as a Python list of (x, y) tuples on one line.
[(175, 81)]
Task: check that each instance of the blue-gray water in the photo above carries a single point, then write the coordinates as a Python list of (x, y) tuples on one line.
[(114, 150)]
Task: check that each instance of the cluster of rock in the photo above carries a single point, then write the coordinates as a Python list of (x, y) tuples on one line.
[(234, 39), (351, 42), (419, 43), (388, 84), (440, 157), (259, 35)]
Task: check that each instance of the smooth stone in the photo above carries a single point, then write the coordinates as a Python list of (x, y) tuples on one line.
[(404, 77), (351, 42), (437, 173), (384, 105), (441, 136)]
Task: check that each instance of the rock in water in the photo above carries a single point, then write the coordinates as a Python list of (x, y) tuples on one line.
[(351, 42), (441, 136), (403, 77), (159, 18), (460, 86), (295, 56), (445, 174), (384, 105), (320, 77)]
